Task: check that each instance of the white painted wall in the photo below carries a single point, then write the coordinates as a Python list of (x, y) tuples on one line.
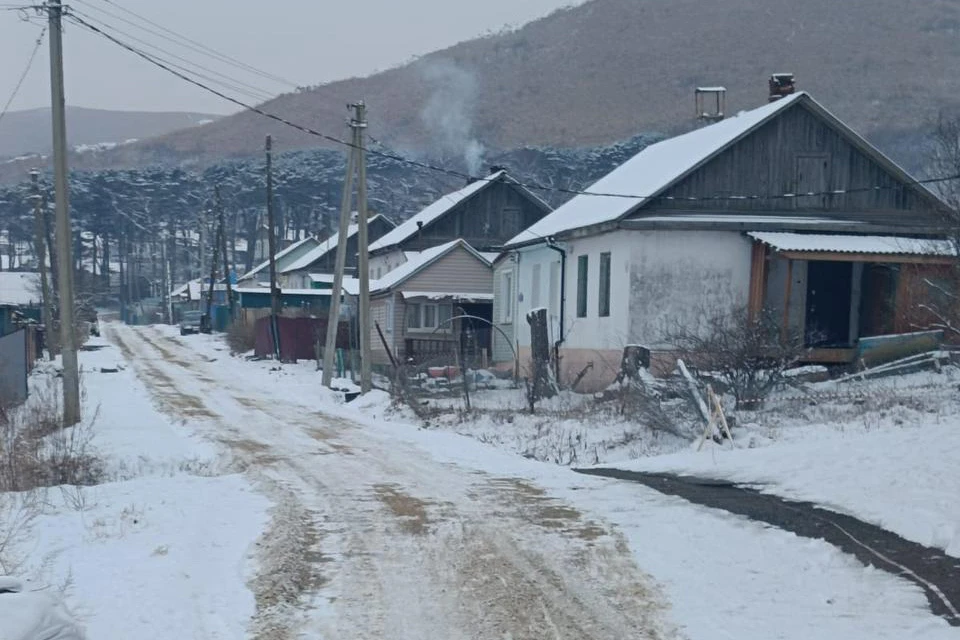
[(681, 277), (657, 278), (593, 331), (384, 263), (529, 261)]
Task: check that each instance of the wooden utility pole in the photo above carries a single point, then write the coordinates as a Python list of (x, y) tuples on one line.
[(359, 124), (271, 237), (213, 277), (333, 319), (221, 221), (272, 259), (71, 373), (40, 249), (165, 278)]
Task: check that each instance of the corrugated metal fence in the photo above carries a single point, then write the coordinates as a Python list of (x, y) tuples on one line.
[(15, 365)]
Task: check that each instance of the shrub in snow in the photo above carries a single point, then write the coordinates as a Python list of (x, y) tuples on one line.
[(747, 355), (35, 451)]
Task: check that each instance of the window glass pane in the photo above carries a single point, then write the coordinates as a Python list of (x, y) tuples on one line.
[(413, 316), (582, 286), (446, 312), (604, 298), (429, 316)]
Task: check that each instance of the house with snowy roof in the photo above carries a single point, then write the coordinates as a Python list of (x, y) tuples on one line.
[(309, 269), (429, 307), (259, 276), (782, 208), (485, 213)]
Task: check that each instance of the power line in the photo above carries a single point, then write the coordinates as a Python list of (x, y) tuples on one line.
[(23, 76), (194, 44), (465, 176), (229, 82)]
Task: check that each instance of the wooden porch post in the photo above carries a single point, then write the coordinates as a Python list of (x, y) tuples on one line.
[(788, 291), (758, 277)]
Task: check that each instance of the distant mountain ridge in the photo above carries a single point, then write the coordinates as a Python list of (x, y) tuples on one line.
[(29, 131), (607, 70)]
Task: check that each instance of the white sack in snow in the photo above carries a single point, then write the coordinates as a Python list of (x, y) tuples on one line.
[(33, 615)]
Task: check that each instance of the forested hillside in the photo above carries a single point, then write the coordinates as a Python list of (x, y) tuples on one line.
[(116, 206)]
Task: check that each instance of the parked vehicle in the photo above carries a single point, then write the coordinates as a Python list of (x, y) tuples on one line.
[(191, 322)]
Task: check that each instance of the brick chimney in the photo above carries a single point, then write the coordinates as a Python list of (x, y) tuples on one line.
[(781, 85)]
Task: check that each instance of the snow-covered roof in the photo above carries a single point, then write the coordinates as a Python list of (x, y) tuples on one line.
[(836, 243), (419, 260), (197, 289), (330, 244), (285, 291), (409, 228), (350, 285), (649, 172), (444, 295), (190, 290), (20, 288), (280, 254)]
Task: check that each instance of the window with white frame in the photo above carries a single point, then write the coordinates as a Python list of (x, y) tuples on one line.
[(506, 295), (428, 316)]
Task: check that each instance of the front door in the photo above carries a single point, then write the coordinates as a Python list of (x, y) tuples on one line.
[(829, 291)]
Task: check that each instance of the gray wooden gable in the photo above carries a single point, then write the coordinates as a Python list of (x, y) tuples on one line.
[(802, 149), (486, 220)]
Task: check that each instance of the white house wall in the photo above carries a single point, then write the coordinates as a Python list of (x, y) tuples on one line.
[(523, 266), (680, 278), (658, 280), (383, 263), (593, 331)]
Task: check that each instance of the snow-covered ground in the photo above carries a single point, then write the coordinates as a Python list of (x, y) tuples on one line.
[(705, 574), (889, 459), (370, 527), (162, 549)]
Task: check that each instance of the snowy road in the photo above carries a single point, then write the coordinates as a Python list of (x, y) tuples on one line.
[(371, 537)]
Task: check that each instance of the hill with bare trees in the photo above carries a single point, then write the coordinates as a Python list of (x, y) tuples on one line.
[(609, 69)]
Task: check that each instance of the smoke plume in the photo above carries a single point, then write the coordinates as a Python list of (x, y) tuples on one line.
[(449, 112)]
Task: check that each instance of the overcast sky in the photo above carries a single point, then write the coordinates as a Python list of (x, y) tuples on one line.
[(304, 41)]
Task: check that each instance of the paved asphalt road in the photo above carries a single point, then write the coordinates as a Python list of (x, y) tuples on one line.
[(935, 572)]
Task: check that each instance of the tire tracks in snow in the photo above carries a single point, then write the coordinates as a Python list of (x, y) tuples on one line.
[(400, 545)]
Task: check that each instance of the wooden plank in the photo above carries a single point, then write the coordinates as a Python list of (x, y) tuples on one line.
[(758, 266), (788, 288), (826, 355)]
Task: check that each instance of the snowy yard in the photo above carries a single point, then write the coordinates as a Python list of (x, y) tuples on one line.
[(890, 461), (161, 549), (367, 526), (884, 450)]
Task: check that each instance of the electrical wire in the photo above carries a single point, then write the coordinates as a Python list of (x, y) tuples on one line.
[(229, 82), (23, 76), (466, 176), (191, 44)]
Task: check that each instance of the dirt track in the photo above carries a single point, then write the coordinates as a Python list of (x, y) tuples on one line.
[(373, 538)]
